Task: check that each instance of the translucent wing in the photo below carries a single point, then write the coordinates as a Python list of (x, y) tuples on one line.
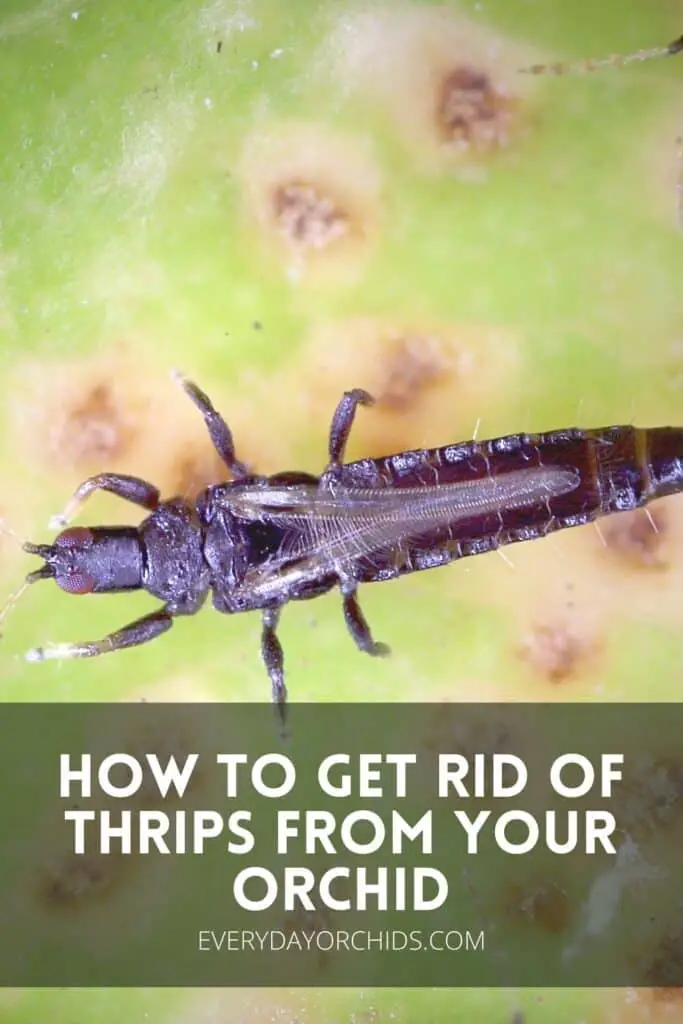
[(326, 531)]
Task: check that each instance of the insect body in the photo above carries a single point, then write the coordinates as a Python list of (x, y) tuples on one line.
[(256, 542)]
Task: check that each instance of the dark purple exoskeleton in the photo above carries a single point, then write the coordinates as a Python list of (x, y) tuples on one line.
[(258, 542)]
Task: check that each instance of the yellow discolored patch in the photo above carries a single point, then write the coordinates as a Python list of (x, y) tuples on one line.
[(195, 469), (638, 540), (446, 693), (642, 1006), (73, 418), (559, 626), (450, 85), (85, 420), (10, 997), (559, 650), (315, 196), (262, 443), (258, 1006), (414, 366), (431, 381), (115, 413), (636, 559), (586, 583), (176, 690), (89, 415)]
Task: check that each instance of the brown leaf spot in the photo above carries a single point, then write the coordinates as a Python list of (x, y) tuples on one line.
[(557, 650), (638, 539), (471, 112), (414, 364), (308, 217)]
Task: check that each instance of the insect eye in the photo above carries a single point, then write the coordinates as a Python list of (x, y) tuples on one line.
[(76, 583), (74, 537)]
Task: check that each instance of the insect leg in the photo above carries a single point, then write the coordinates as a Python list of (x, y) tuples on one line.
[(342, 422), (135, 633), (273, 657), (357, 624), (130, 488), (218, 429)]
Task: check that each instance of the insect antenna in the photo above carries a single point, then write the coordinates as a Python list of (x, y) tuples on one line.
[(619, 60), (11, 602), (45, 571), (42, 550), (12, 534)]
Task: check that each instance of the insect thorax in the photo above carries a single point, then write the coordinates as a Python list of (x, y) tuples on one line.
[(175, 570)]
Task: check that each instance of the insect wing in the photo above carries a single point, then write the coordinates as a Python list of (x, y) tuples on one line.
[(328, 530), (329, 527)]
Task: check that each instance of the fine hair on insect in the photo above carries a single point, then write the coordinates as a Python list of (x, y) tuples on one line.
[(255, 543)]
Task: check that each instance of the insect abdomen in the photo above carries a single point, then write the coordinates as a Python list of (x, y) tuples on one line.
[(617, 469), (663, 456), (635, 466)]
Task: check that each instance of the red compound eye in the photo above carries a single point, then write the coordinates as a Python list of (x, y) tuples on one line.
[(76, 583), (74, 537)]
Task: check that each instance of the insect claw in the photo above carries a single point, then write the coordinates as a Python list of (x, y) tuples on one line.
[(53, 652), (364, 397), (36, 654)]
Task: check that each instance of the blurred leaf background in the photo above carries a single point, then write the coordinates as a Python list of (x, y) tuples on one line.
[(266, 196)]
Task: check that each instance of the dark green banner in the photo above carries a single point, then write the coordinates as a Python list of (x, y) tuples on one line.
[(417, 845)]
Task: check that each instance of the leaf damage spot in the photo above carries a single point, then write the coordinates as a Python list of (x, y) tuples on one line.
[(315, 195)]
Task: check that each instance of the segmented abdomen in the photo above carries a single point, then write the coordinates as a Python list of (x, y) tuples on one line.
[(618, 469)]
